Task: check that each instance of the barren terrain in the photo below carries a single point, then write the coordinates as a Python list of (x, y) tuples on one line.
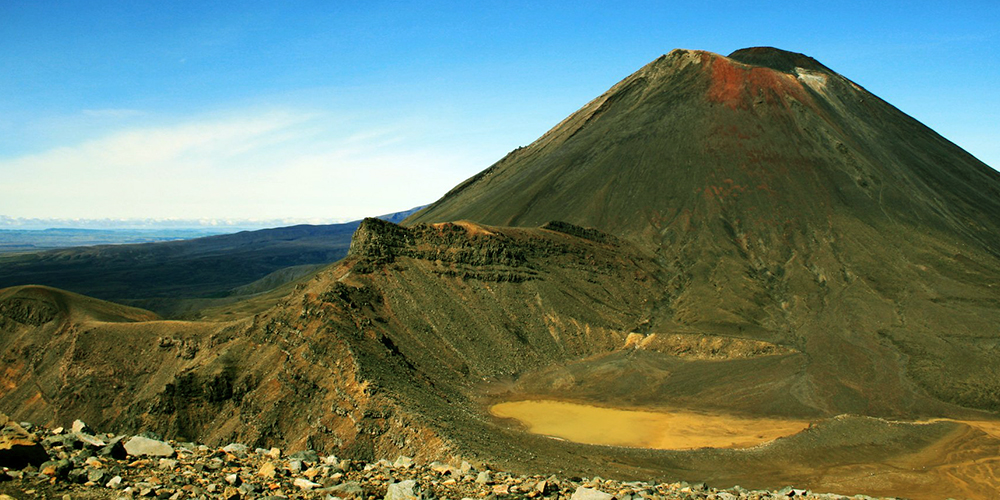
[(752, 237)]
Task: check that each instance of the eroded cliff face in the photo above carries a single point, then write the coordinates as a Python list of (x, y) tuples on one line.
[(746, 235), (371, 357)]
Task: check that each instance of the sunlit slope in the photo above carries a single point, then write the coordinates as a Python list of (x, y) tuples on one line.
[(771, 136), (784, 203), (763, 278)]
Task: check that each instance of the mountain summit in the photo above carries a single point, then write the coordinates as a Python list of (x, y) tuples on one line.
[(732, 238), (785, 203), (762, 130)]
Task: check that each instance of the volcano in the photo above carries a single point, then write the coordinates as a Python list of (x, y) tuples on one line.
[(785, 203), (741, 237)]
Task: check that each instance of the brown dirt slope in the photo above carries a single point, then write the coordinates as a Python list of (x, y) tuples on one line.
[(799, 248), (445, 305), (401, 347)]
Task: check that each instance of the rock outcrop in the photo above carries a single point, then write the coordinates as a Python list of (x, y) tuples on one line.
[(18, 447)]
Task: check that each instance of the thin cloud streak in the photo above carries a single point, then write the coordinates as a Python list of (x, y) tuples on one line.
[(253, 165)]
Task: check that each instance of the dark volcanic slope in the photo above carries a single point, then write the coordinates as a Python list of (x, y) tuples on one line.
[(771, 137), (771, 240), (787, 204)]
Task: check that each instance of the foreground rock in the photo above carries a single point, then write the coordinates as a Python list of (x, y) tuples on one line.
[(81, 465), (140, 446), (18, 447)]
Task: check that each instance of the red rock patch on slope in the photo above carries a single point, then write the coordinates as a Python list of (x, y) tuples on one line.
[(738, 85)]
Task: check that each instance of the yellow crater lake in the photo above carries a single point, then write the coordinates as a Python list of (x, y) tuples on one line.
[(666, 430)]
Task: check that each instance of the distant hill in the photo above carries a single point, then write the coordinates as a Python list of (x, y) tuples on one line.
[(744, 236), (181, 277), (35, 240)]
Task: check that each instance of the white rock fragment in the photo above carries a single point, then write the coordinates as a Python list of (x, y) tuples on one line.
[(79, 426), (114, 483), (583, 493), (140, 446), (305, 484)]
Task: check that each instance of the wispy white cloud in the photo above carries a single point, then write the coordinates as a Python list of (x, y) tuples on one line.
[(249, 165)]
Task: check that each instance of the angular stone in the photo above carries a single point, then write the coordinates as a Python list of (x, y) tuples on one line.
[(583, 493), (350, 489), (237, 449), (484, 478), (334, 478), (139, 446), (79, 426), (18, 447), (304, 484), (545, 487), (248, 488), (114, 449), (55, 468), (440, 468), (89, 440), (231, 493), (114, 483), (268, 470), (96, 475), (403, 462), (403, 490)]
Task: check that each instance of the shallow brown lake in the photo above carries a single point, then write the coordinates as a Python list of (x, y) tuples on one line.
[(668, 430)]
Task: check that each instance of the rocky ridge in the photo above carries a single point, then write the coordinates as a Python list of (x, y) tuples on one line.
[(83, 463), (774, 240)]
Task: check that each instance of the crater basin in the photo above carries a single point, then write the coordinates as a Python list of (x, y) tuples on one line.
[(661, 429)]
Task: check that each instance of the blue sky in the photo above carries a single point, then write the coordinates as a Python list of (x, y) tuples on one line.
[(335, 110)]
